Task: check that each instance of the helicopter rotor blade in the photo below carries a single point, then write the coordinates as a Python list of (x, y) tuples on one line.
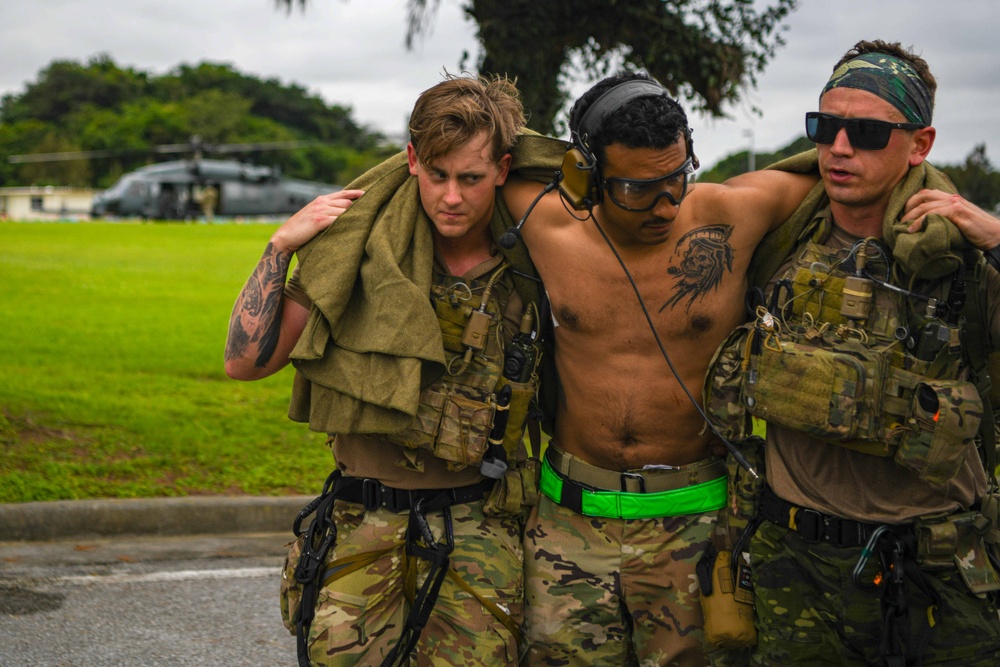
[(73, 155)]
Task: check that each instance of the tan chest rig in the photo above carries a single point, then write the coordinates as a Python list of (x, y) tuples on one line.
[(851, 362), (458, 411)]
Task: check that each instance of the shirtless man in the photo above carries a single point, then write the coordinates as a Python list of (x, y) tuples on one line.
[(632, 480)]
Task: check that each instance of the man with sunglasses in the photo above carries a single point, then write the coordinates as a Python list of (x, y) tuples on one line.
[(877, 528), (632, 480)]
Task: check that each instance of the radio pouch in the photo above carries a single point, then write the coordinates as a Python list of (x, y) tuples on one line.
[(726, 600)]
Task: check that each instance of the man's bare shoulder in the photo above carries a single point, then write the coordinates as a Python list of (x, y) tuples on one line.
[(759, 200), (549, 214)]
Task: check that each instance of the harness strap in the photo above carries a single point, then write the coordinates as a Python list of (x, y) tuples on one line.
[(975, 338), (419, 543)]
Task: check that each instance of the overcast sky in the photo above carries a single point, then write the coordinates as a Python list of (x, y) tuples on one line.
[(352, 53)]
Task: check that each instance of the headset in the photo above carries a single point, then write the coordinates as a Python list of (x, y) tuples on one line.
[(581, 184)]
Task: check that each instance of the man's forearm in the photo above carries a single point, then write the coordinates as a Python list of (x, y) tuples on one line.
[(255, 325)]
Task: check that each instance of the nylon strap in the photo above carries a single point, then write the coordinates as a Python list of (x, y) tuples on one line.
[(975, 338), (694, 499)]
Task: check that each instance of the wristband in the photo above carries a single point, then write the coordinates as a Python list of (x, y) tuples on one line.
[(993, 257)]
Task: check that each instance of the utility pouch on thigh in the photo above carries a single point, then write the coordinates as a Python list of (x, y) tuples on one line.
[(957, 541), (453, 422), (943, 421), (290, 592), (516, 492), (726, 600)]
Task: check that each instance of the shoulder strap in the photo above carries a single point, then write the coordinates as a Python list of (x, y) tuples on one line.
[(975, 338)]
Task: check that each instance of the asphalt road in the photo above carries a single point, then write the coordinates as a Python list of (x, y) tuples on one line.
[(138, 602)]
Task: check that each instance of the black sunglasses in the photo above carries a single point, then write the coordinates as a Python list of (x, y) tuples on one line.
[(865, 134)]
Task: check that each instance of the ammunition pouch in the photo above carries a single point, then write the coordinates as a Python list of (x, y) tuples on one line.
[(453, 422), (516, 492)]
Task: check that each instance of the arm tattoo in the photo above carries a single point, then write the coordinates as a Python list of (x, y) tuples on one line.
[(705, 256), (261, 303)]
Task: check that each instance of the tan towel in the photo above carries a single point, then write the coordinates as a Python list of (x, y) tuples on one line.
[(930, 253), (372, 338)]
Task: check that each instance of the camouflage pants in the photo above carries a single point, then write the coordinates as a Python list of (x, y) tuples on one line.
[(360, 617), (809, 611), (604, 592)]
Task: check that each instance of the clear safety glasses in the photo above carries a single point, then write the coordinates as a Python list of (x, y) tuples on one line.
[(642, 195)]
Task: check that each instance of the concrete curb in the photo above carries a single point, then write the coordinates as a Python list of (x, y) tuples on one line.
[(191, 515)]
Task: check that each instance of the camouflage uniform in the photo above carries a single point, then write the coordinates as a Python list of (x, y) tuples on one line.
[(610, 591), (360, 616), (916, 599), (810, 612), (366, 599)]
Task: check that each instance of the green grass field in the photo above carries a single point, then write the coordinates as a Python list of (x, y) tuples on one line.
[(111, 367)]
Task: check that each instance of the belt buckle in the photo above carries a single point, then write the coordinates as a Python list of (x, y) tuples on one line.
[(845, 533), (809, 524), (625, 476), (371, 494)]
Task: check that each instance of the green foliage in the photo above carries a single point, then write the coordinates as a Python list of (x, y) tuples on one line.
[(737, 163), (707, 52), (976, 179), (112, 383), (100, 106)]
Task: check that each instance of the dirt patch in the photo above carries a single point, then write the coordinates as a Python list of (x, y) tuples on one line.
[(28, 429)]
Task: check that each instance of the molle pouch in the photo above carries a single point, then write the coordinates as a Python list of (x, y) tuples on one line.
[(453, 422), (989, 507), (723, 390), (726, 601), (828, 394), (522, 394), (957, 541), (944, 418), (290, 592), (516, 492)]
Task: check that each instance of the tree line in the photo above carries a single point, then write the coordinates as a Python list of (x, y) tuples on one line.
[(101, 106)]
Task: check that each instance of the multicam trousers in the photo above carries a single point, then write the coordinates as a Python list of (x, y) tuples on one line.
[(617, 592), (810, 612), (360, 617)]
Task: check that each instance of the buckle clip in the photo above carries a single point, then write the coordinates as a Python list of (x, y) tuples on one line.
[(810, 525), (626, 476), (371, 494)]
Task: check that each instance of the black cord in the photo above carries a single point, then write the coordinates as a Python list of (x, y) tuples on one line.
[(642, 304)]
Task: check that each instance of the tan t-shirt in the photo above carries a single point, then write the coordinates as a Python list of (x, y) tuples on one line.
[(375, 457), (839, 481)]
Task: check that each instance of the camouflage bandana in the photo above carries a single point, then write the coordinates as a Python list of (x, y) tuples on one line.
[(890, 78)]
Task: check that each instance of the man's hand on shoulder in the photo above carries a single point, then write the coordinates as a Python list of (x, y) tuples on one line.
[(979, 227), (312, 219)]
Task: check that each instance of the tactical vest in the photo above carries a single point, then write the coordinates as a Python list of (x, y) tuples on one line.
[(850, 361), (458, 411)]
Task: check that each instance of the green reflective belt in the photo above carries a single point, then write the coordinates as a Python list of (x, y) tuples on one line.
[(694, 499)]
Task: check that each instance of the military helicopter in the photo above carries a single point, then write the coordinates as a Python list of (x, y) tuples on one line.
[(176, 190)]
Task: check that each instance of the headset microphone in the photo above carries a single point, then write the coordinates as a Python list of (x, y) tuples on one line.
[(509, 238)]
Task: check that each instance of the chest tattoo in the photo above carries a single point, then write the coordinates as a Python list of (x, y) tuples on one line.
[(705, 256)]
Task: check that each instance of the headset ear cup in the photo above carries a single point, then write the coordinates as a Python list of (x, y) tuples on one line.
[(579, 181)]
